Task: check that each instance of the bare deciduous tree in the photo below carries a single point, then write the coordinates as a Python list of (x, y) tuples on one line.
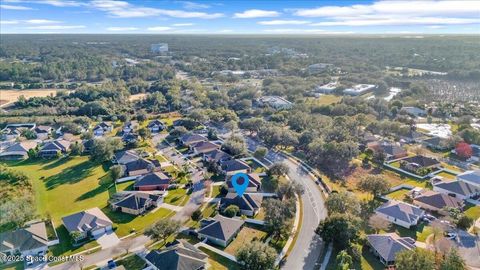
[(378, 223)]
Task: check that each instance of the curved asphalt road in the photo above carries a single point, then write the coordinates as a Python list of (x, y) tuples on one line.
[(306, 251)]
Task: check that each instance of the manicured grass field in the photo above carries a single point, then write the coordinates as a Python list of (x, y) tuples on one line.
[(256, 167), (66, 185), (132, 262), (246, 235), (177, 196), (367, 261), (398, 195), (215, 191), (218, 262), (126, 223), (325, 100), (447, 175), (472, 211)]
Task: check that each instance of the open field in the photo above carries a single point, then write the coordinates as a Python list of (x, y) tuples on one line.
[(137, 97), (218, 262), (9, 96), (246, 235), (324, 100)]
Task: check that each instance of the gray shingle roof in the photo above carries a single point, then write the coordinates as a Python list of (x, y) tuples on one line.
[(422, 161), (439, 200), (86, 221), (190, 138), (221, 227), (202, 147), (217, 155), (389, 244), (125, 156), (136, 200), (253, 180), (31, 237), (248, 201), (470, 176), (234, 165), (180, 256), (401, 211), (459, 187), (151, 179)]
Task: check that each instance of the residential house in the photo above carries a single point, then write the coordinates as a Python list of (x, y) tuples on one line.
[(414, 111), (156, 126), (129, 127), (54, 148), (135, 203), (400, 213), (419, 162), (231, 167), (412, 137), (275, 102), (180, 255), (470, 177), (13, 131), (216, 156), (130, 138), (43, 132), (254, 183), (437, 202), (436, 143), (29, 241), (220, 230), (458, 189), (125, 156), (248, 203), (138, 167), (18, 150), (152, 181), (203, 147), (386, 246), (102, 128), (391, 150), (191, 138), (88, 223)]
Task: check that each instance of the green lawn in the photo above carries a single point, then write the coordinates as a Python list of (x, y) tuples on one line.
[(177, 196), (67, 185), (218, 262), (399, 194), (126, 223), (420, 233), (216, 191), (367, 261), (446, 175), (256, 167), (13, 266), (246, 235), (65, 246), (132, 262), (472, 211)]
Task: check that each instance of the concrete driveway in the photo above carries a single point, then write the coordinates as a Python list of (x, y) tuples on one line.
[(108, 239)]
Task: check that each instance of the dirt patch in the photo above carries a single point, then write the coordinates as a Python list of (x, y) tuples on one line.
[(9, 96)]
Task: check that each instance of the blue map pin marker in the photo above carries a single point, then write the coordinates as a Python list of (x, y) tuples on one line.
[(240, 183)]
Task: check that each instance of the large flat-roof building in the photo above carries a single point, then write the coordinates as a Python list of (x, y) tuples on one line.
[(276, 102), (159, 48), (359, 89)]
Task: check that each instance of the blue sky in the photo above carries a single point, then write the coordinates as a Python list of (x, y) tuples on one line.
[(240, 17)]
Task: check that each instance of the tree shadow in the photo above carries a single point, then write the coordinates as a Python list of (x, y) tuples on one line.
[(71, 175), (56, 163), (92, 193), (117, 216)]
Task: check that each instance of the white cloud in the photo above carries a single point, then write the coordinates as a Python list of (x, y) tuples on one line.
[(122, 9), (41, 21), (159, 28), (182, 24), (435, 26), (380, 13), (193, 5), (399, 21), (9, 22), (121, 28), (283, 22), (256, 13), (60, 3), (14, 7), (55, 27)]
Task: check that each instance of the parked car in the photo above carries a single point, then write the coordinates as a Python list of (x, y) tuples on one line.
[(451, 235), (111, 264)]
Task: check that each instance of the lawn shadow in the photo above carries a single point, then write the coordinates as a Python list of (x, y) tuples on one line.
[(56, 163), (117, 216), (70, 175), (92, 193)]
